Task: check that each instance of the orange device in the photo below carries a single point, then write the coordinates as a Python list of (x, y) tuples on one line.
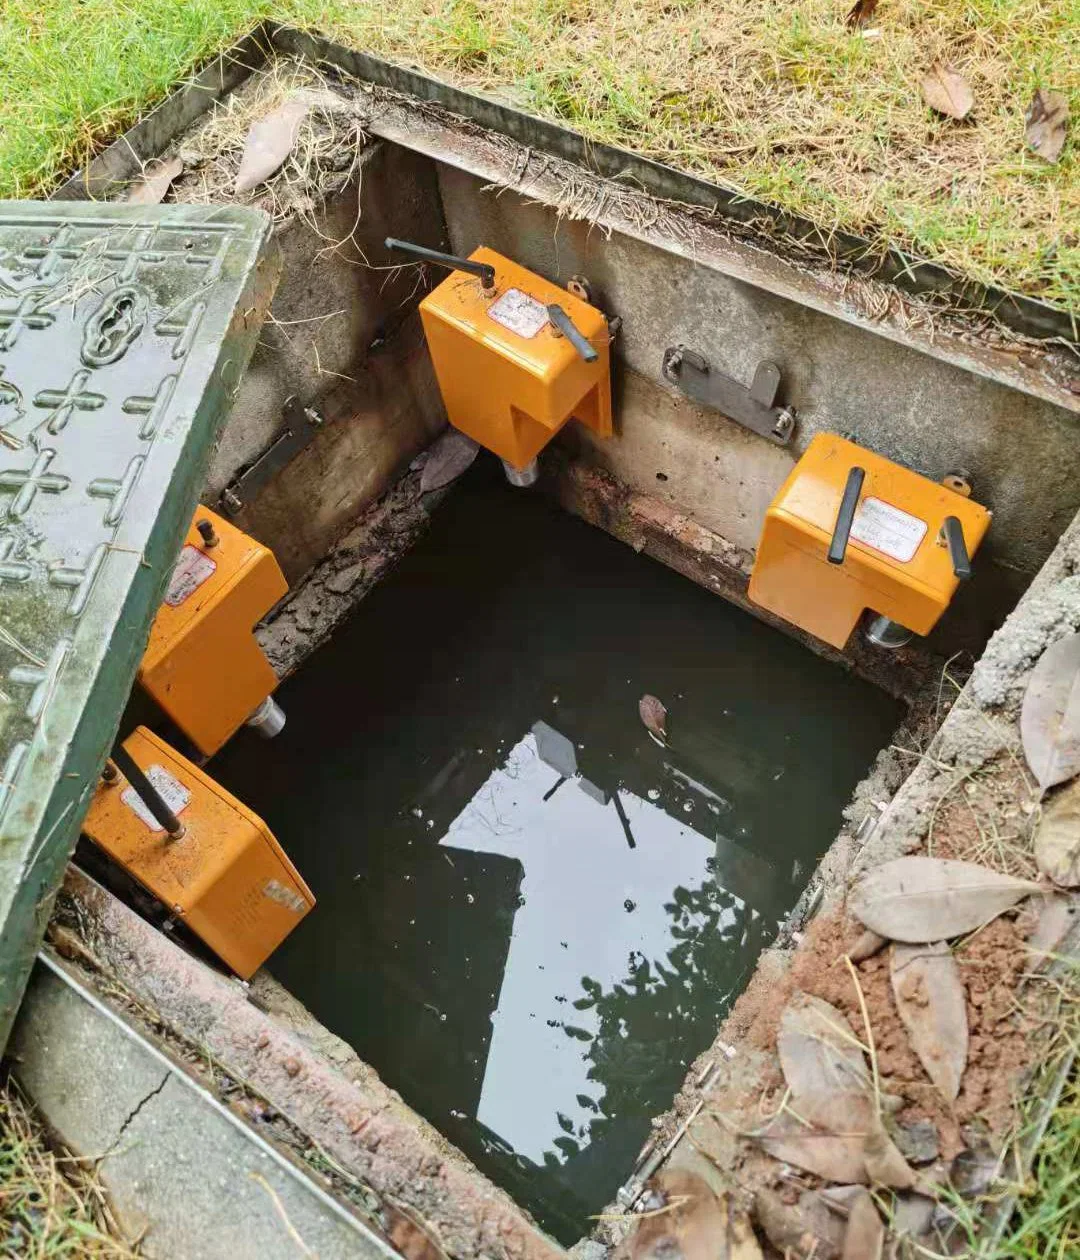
[(226, 876), (512, 369), (202, 664), (849, 530)]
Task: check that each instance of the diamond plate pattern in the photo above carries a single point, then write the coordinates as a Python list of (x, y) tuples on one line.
[(123, 333)]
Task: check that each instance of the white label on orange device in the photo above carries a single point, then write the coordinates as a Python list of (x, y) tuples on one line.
[(887, 529), (171, 791), (520, 313), (192, 569)]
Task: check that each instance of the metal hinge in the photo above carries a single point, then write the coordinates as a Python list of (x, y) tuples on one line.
[(301, 425), (754, 408)]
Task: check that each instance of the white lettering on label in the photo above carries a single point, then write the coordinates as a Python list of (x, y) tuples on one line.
[(520, 313), (192, 570), (887, 529), (171, 791)]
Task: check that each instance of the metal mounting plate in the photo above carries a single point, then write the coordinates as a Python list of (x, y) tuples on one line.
[(123, 334), (754, 408)]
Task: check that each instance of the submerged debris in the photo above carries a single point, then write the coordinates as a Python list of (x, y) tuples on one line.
[(654, 715)]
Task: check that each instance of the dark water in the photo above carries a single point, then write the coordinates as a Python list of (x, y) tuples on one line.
[(531, 931)]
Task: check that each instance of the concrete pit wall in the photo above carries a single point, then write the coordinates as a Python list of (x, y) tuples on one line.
[(343, 337), (1021, 451)]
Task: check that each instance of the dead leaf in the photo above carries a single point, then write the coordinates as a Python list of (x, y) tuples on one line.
[(699, 1225), (947, 92), (847, 1114), (861, 13), (814, 1150), (818, 1052), (156, 181), (410, 1238), (1056, 918), (1046, 118), (922, 899), (805, 1229), (654, 715), (932, 1003), (1057, 838), (450, 456), (865, 1237), (1050, 715), (885, 1166), (269, 142), (868, 944)]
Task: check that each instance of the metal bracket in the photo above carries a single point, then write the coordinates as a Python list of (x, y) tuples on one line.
[(754, 408), (301, 425)]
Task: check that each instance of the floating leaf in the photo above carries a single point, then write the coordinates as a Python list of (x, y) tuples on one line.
[(818, 1053), (865, 1237), (923, 899), (654, 715), (1057, 838), (450, 456), (1046, 118), (834, 1158), (269, 142), (1050, 716), (156, 181), (933, 1005), (861, 13), (947, 92)]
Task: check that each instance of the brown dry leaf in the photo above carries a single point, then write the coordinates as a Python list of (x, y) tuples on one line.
[(861, 13), (1046, 119), (834, 1158), (868, 944), (452, 455), (865, 1237), (923, 899), (1057, 838), (947, 92), (818, 1053), (848, 1114), (654, 715), (700, 1224), (932, 1003), (884, 1164), (269, 142), (156, 181), (805, 1229), (1050, 715), (1056, 918)]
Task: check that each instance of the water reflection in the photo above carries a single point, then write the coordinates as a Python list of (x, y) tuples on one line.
[(602, 928)]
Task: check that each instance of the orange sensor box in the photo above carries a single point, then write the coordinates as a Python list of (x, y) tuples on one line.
[(897, 561), (226, 877), (508, 379), (202, 664)]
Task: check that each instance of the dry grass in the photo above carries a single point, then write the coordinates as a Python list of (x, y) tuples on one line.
[(50, 1206), (773, 98)]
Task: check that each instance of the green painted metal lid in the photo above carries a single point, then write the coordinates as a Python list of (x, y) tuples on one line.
[(124, 331)]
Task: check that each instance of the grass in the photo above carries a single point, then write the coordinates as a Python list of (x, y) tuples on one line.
[(49, 1207), (774, 98)]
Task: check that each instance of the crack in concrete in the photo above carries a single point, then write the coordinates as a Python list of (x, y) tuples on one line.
[(138, 1107)]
